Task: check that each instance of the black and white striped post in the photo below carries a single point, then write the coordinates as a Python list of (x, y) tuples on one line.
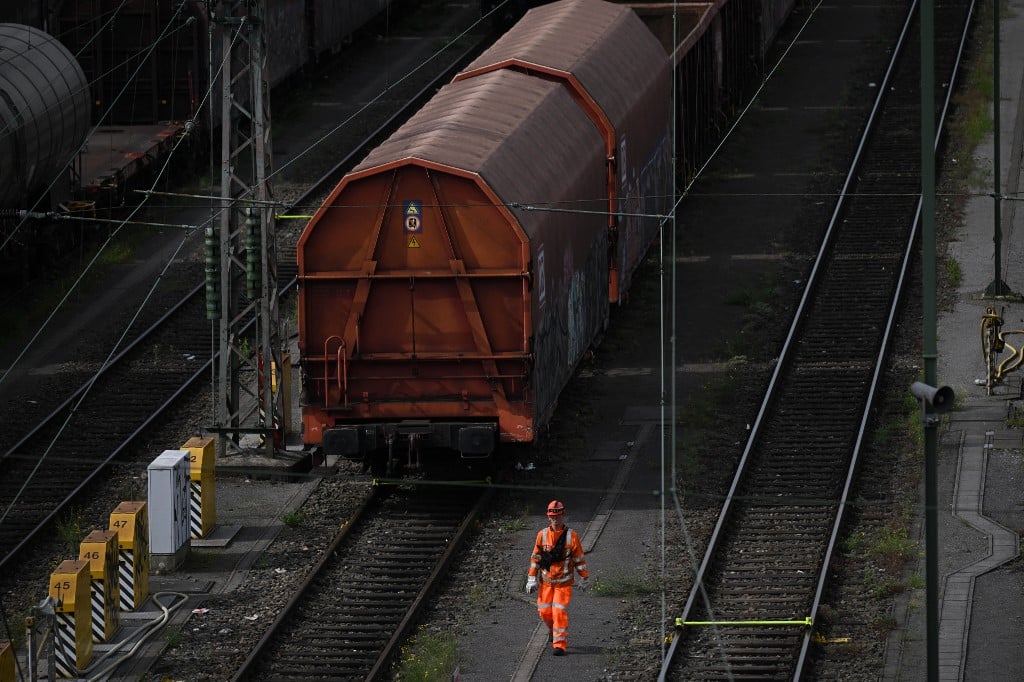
[(72, 638), (202, 488), (130, 521), (99, 548)]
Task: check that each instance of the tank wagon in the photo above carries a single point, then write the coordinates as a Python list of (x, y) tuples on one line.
[(451, 282), (44, 115), (98, 69), (87, 66)]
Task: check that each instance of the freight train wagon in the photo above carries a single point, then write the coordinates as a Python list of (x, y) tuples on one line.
[(150, 61), (114, 64), (451, 283), (718, 51), (133, 73), (134, 64)]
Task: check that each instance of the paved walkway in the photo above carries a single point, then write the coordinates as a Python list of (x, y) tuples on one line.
[(968, 504), (981, 612)]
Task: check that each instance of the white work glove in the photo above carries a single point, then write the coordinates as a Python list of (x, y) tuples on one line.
[(531, 584), (583, 584)]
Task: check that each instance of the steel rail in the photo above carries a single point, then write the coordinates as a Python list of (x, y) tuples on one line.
[(416, 609), (784, 362), (882, 354), (101, 372), (323, 183), (249, 664), (327, 572)]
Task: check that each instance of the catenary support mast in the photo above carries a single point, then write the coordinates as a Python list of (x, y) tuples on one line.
[(246, 402)]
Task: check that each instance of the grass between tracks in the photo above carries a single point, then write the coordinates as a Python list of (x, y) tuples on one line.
[(27, 308), (429, 656)]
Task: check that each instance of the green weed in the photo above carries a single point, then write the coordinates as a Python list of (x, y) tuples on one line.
[(69, 530), (954, 275), (173, 636), (516, 523), (622, 585), (429, 657)]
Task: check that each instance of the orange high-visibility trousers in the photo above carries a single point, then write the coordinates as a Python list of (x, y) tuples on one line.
[(553, 608)]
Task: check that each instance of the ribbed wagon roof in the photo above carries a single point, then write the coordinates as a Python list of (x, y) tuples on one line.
[(525, 137), (606, 47)]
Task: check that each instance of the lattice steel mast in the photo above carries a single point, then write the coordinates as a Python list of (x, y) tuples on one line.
[(246, 402)]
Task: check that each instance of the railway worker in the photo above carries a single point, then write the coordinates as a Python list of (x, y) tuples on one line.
[(557, 556)]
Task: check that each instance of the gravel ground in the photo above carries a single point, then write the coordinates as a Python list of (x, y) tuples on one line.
[(214, 644), (854, 620)]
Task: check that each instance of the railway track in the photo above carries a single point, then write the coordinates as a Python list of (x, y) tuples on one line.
[(756, 593), (360, 601), (69, 449)]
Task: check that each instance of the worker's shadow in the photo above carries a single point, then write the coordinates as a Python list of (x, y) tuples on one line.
[(586, 650)]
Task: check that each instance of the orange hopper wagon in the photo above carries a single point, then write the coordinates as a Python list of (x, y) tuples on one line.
[(451, 283)]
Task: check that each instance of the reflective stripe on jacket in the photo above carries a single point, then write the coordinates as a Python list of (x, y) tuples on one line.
[(560, 572)]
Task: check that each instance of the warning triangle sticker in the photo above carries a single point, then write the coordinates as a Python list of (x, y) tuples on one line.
[(413, 244)]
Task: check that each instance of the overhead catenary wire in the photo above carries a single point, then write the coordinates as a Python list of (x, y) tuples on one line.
[(676, 499), (672, 489), (95, 258), (126, 222), (99, 124), (127, 327), (74, 409), (102, 247), (70, 217), (146, 50), (321, 140)]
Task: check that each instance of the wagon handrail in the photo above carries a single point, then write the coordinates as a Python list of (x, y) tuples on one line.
[(341, 369)]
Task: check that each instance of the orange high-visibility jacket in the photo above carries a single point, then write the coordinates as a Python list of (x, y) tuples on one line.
[(560, 572)]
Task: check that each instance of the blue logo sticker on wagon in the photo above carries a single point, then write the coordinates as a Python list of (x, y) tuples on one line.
[(413, 211)]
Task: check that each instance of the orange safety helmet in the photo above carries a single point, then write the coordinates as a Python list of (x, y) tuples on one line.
[(555, 508)]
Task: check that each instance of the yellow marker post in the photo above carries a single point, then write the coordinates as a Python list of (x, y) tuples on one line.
[(6, 662), (99, 548), (130, 520), (72, 649), (202, 457), (285, 389)]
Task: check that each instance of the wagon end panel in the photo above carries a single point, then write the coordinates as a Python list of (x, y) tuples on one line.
[(414, 307)]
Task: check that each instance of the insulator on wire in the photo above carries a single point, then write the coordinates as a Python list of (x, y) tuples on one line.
[(211, 251), (252, 254)]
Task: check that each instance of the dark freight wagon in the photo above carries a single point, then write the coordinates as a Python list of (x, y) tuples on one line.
[(151, 61), (451, 283)]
